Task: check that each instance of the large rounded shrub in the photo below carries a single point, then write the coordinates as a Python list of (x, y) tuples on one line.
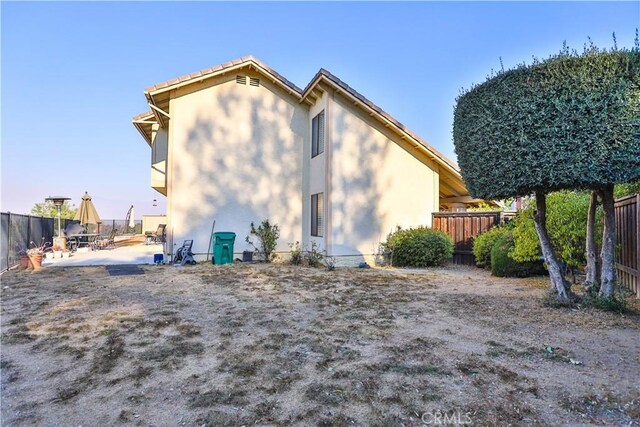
[(483, 244), (570, 121), (502, 265), (419, 247)]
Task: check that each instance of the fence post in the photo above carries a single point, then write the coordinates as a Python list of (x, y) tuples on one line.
[(637, 278), (9, 243), (28, 231), (9, 240)]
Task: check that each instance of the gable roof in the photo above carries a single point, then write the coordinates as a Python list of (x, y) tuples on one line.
[(223, 68), (366, 104), (157, 96)]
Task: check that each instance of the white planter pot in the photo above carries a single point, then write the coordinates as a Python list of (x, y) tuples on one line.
[(65, 254), (57, 254), (49, 255)]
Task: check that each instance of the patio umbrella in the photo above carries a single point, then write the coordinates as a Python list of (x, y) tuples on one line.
[(132, 221), (87, 213)]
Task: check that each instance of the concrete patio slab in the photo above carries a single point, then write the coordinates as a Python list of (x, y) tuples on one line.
[(134, 254)]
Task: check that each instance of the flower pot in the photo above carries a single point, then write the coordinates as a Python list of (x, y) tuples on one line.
[(65, 254), (25, 263), (36, 261), (57, 254), (50, 255)]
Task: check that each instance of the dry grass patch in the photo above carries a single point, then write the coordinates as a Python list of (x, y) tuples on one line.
[(282, 345)]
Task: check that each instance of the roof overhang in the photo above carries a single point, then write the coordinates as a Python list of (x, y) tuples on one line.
[(359, 101), (158, 95), (144, 124)]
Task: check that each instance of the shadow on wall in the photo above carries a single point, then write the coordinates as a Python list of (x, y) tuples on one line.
[(358, 154), (238, 164)]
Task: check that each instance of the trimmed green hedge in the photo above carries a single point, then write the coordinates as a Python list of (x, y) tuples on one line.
[(484, 243), (502, 265), (419, 247), (570, 121)]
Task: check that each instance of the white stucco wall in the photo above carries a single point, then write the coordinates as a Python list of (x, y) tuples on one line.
[(315, 178), (235, 157), (159, 147), (376, 184)]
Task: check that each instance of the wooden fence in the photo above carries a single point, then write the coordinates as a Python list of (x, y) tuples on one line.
[(462, 227), (628, 242)]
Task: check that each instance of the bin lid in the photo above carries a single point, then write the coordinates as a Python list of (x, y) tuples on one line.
[(225, 234)]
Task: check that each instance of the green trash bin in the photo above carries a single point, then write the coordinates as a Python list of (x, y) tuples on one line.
[(223, 247)]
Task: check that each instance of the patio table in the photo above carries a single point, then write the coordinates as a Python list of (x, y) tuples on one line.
[(81, 239)]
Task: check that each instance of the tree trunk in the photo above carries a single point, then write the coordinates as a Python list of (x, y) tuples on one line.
[(608, 280), (592, 280), (559, 285)]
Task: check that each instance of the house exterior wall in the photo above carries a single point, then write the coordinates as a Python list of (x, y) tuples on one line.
[(159, 147), (236, 158), (375, 184), (315, 177)]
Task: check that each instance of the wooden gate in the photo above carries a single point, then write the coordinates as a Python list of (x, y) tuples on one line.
[(462, 227), (628, 242)]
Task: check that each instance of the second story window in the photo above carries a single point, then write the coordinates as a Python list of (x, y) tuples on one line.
[(317, 135)]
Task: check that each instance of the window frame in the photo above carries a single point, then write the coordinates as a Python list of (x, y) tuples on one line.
[(317, 215), (318, 130)]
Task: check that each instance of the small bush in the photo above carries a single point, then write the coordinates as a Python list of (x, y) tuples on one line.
[(314, 256), (419, 247), (502, 265), (298, 255), (267, 236), (483, 244), (616, 303), (295, 253)]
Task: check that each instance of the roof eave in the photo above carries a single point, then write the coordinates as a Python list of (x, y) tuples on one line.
[(139, 121), (231, 66), (362, 101)]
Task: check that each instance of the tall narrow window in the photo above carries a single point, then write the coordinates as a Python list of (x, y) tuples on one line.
[(317, 217), (317, 134)]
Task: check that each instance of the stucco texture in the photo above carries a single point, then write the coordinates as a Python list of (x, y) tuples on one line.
[(376, 185), (235, 158)]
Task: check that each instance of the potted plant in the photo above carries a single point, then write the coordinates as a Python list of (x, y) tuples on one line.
[(25, 263), (36, 252)]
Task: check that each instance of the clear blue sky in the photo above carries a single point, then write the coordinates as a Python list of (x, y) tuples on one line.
[(73, 74)]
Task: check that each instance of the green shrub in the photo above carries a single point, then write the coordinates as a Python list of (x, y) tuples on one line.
[(295, 253), (616, 303), (483, 243), (267, 236), (566, 225), (298, 255), (502, 265), (419, 247), (314, 257)]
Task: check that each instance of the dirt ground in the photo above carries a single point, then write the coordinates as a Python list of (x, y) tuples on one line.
[(282, 345)]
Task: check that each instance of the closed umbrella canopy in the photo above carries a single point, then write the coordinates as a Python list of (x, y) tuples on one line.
[(132, 221), (87, 213)]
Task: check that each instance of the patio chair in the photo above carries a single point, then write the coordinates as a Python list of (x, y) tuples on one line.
[(104, 241), (158, 236)]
